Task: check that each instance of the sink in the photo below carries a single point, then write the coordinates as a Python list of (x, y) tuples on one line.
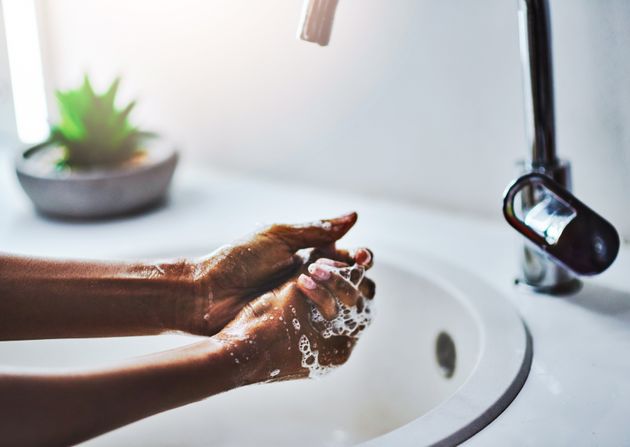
[(446, 354)]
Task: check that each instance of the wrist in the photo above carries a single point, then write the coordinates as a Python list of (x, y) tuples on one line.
[(192, 301), (245, 361), (176, 303)]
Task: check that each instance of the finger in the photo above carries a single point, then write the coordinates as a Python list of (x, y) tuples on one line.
[(357, 331), (364, 257), (343, 255), (331, 263), (367, 288), (331, 252), (319, 295), (335, 283), (327, 251), (315, 234), (353, 274)]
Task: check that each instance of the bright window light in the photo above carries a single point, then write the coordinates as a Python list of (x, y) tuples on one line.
[(25, 66)]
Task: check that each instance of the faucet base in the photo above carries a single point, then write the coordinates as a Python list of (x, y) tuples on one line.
[(542, 275)]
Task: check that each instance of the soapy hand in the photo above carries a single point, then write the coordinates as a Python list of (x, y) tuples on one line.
[(230, 277), (307, 326), (287, 315)]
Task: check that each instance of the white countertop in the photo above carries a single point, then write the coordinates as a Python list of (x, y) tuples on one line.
[(578, 391)]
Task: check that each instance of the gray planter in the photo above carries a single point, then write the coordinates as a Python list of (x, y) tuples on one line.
[(98, 192)]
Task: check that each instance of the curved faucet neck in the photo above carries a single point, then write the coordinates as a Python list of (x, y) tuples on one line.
[(537, 65)]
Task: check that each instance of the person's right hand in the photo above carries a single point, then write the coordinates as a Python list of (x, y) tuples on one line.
[(304, 328), (233, 275)]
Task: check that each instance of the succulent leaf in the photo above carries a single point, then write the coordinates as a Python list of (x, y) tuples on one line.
[(92, 130)]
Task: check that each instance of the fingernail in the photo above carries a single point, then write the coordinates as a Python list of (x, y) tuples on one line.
[(318, 272), (363, 257), (307, 282)]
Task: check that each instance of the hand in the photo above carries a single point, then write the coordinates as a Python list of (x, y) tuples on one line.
[(229, 278), (304, 328)]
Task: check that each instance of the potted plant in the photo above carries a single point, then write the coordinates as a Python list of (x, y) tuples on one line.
[(95, 163)]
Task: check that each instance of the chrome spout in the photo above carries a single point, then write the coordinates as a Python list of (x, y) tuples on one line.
[(537, 66), (540, 272), (317, 21)]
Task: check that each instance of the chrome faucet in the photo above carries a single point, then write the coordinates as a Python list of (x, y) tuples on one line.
[(566, 239)]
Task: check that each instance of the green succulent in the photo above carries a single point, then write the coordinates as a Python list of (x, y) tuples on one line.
[(91, 130)]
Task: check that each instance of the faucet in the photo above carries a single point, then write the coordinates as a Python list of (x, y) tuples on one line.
[(565, 238)]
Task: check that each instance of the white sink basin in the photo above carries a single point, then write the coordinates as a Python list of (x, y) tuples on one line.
[(391, 392)]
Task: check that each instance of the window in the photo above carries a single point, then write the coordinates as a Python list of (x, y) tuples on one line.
[(22, 75)]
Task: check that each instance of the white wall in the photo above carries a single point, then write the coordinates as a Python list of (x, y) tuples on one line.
[(419, 99), (8, 127)]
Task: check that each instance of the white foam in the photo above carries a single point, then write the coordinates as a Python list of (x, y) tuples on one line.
[(274, 373), (349, 320), (310, 359), (296, 324), (325, 225)]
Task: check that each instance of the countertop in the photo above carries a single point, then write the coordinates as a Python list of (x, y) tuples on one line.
[(578, 391)]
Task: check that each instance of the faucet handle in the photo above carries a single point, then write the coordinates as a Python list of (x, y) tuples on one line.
[(561, 225)]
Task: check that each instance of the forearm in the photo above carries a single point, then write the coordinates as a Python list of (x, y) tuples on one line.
[(63, 409), (51, 299)]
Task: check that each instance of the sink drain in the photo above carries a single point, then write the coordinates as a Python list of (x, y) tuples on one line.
[(445, 354)]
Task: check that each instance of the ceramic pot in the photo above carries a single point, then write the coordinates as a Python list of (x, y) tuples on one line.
[(96, 192)]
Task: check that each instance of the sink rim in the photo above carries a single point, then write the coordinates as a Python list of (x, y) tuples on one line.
[(483, 396)]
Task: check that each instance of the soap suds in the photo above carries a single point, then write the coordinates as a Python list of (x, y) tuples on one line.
[(325, 225), (348, 320), (310, 359)]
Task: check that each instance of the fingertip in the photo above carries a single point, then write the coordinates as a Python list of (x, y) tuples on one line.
[(319, 296), (364, 257), (331, 262), (321, 233), (343, 223), (352, 216), (306, 282), (318, 272)]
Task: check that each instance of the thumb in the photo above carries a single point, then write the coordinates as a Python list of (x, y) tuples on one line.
[(313, 234)]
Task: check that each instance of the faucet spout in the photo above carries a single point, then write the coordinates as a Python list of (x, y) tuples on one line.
[(317, 21), (536, 58)]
